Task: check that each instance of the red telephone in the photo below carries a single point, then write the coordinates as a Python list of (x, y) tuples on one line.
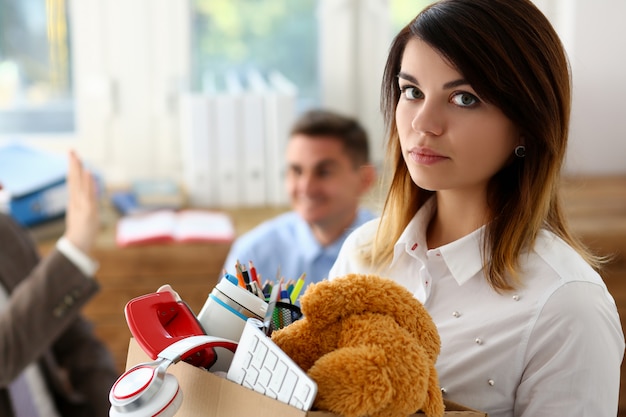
[(158, 320)]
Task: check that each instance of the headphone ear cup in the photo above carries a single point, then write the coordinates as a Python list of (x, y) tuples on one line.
[(148, 390), (164, 402)]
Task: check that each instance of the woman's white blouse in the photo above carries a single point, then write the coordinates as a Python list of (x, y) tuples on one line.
[(551, 348)]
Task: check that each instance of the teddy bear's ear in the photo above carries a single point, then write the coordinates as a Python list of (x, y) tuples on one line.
[(320, 302), (329, 300)]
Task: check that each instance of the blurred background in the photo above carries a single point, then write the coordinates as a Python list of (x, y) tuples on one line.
[(108, 77)]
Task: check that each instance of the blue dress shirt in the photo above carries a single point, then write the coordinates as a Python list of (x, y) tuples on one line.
[(286, 241)]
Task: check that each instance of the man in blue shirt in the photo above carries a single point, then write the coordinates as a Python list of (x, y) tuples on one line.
[(328, 171)]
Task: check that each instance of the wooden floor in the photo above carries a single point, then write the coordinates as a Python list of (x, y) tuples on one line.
[(596, 208)]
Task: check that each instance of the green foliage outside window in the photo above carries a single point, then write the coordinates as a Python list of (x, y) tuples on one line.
[(262, 34)]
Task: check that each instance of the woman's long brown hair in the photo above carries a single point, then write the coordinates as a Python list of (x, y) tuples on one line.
[(513, 58)]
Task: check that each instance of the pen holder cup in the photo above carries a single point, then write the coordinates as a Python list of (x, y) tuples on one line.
[(225, 313), (284, 314), (227, 308)]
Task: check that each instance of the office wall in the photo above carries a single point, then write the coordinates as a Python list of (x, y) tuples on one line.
[(594, 34)]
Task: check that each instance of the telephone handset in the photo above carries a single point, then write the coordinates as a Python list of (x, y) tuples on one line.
[(157, 320)]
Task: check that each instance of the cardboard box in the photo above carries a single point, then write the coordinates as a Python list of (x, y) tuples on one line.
[(209, 395)]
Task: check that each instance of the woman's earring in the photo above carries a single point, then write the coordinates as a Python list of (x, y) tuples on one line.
[(520, 151)]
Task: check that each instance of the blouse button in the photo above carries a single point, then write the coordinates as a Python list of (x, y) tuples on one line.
[(516, 297), (491, 382), (456, 314), (478, 341)]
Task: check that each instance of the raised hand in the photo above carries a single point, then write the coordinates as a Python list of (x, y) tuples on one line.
[(82, 218)]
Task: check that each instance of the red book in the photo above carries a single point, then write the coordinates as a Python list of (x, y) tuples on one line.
[(168, 226)]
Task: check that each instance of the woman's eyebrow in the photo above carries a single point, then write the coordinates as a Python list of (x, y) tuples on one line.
[(448, 85), (407, 77), (455, 83)]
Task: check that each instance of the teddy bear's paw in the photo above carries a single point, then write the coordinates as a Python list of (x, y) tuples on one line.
[(304, 344), (353, 381), (433, 405), (434, 409)]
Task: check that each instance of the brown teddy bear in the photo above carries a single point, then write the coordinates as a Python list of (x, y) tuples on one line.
[(369, 345)]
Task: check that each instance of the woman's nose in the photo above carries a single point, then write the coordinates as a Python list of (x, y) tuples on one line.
[(428, 118)]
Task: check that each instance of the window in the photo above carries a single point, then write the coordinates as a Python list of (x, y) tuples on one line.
[(330, 49), (403, 11), (35, 67), (236, 35), (265, 35)]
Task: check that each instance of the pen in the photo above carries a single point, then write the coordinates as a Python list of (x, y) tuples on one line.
[(230, 277), (267, 289), (256, 290), (246, 277)]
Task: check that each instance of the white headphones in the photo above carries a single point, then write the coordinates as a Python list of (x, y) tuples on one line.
[(148, 390)]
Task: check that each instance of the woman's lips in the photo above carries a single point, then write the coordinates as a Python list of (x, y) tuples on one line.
[(425, 156)]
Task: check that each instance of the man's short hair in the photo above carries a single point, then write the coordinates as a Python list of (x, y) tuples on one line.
[(344, 129)]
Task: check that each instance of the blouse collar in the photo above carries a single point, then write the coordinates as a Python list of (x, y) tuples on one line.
[(462, 257)]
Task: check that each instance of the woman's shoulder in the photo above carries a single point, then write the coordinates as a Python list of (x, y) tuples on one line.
[(363, 234), (559, 258), (350, 258), (570, 293)]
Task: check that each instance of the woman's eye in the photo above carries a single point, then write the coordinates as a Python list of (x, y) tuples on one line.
[(411, 93), (464, 99)]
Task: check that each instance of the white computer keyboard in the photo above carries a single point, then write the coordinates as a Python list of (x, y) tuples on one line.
[(259, 364)]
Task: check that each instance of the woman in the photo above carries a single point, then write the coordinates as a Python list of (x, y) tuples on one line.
[(476, 99)]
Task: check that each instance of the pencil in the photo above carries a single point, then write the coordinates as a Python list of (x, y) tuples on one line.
[(297, 288), (253, 273), (240, 279)]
